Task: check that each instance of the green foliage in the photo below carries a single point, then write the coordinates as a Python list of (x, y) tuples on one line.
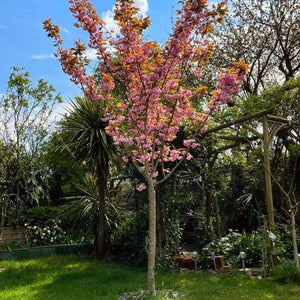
[(239, 173), (12, 209), (45, 222), (25, 112), (16, 244), (286, 272), (39, 215), (64, 176), (232, 244), (83, 133), (281, 98), (284, 244), (82, 211), (130, 235), (24, 178)]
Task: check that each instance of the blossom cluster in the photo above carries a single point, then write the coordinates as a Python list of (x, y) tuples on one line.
[(145, 117)]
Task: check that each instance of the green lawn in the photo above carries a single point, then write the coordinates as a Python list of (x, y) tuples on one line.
[(71, 277)]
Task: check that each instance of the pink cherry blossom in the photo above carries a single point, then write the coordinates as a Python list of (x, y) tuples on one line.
[(141, 187), (154, 101)]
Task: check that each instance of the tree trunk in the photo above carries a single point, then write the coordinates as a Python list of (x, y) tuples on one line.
[(294, 237), (102, 186), (158, 229), (152, 235)]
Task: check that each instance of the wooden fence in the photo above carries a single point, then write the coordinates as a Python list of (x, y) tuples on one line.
[(10, 234)]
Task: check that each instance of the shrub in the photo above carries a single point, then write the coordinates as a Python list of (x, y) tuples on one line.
[(131, 235), (284, 244), (50, 234), (40, 215), (232, 244), (286, 272), (16, 244)]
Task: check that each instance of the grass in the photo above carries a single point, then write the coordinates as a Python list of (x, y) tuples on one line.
[(71, 277)]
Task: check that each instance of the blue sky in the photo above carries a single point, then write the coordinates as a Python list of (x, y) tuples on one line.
[(25, 44)]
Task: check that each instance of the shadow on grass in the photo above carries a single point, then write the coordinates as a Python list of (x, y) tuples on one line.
[(71, 277), (236, 286), (68, 278), (27, 272)]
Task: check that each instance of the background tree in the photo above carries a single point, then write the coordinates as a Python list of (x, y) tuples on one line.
[(84, 136), (266, 34), (26, 112), (63, 174), (25, 122)]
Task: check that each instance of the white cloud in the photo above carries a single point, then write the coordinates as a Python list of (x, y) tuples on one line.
[(142, 5), (66, 30), (42, 56), (108, 16), (110, 23), (91, 54)]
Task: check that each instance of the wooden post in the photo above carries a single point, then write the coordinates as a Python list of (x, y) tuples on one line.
[(266, 251), (214, 198), (268, 183)]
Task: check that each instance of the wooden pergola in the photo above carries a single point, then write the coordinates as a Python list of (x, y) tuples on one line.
[(271, 126)]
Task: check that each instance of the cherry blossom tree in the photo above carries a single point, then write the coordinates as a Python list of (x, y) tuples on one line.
[(152, 102)]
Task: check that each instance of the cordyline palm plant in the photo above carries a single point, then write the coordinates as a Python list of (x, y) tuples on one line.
[(83, 210), (83, 134)]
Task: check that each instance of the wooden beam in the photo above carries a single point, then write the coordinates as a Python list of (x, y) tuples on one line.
[(236, 121), (283, 120), (230, 138), (254, 131), (237, 143), (236, 138)]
